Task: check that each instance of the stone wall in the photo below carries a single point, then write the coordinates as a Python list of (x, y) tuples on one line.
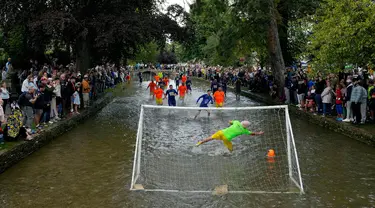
[(25, 148)]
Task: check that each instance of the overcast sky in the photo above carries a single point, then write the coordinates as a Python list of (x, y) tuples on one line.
[(183, 3)]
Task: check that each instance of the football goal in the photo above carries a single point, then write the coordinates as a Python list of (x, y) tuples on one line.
[(166, 158)]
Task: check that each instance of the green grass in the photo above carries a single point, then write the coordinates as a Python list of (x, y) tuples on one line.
[(8, 145)]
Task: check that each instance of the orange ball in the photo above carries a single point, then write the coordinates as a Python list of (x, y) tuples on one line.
[(271, 153)]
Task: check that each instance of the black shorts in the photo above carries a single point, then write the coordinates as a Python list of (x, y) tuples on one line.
[(372, 105)]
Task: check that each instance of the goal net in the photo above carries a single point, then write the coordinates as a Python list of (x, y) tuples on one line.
[(166, 158)]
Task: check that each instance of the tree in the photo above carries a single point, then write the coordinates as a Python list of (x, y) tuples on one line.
[(343, 34), (108, 30), (147, 53), (291, 26)]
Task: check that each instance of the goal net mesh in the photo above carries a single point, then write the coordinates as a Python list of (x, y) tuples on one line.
[(166, 158)]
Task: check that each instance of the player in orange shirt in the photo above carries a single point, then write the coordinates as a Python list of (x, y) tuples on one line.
[(157, 78), (152, 87), (219, 97), (182, 91), (159, 96), (166, 81), (183, 78)]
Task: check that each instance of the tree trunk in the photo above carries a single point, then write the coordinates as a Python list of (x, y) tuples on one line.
[(282, 8), (274, 50), (82, 55)]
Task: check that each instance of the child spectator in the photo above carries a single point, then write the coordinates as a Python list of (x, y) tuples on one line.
[(86, 91), (77, 99), (339, 99), (310, 104)]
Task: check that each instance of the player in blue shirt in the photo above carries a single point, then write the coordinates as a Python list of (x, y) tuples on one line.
[(188, 85), (214, 86), (207, 98), (171, 93)]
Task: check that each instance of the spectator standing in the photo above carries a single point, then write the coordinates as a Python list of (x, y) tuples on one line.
[(294, 91), (39, 105), (64, 95), (26, 83), (71, 90), (59, 103), (348, 95), (4, 95), (2, 114), (355, 100), (76, 98), (318, 94), (363, 103), (339, 99), (4, 74), (86, 91), (48, 95), (54, 112), (8, 65), (26, 102), (327, 99), (302, 88)]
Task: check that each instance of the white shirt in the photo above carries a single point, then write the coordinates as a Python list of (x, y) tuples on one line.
[(4, 75), (57, 90), (25, 86), (4, 93)]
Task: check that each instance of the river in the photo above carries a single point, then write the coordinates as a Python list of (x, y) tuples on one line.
[(91, 166)]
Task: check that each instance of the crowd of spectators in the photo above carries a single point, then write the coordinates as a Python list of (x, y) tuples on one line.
[(47, 94), (349, 96)]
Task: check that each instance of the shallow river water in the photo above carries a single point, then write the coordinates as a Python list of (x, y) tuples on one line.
[(91, 166)]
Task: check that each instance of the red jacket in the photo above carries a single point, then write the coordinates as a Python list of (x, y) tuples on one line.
[(338, 97)]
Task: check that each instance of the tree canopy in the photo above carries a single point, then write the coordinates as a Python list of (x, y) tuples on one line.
[(343, 34), (96, 31)]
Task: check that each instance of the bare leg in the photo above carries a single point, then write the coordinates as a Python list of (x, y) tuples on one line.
[(208, 139), (197, 114)]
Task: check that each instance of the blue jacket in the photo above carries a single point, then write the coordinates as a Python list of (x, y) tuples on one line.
[(357, 94), (206, 99)]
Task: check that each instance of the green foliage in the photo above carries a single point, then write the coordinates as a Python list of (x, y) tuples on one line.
[(343, 34), (16, 42), (216, 36), (105, 30), (147, 53), (3, 54)]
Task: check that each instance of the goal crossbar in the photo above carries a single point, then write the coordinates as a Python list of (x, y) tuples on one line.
[(217, 109)]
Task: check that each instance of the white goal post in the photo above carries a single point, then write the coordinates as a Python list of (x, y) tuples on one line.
[(167, 171)]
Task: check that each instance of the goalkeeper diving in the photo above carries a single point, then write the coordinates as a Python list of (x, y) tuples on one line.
[(236, 129)]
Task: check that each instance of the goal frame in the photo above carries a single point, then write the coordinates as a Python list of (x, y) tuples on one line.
[(291, 148)]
